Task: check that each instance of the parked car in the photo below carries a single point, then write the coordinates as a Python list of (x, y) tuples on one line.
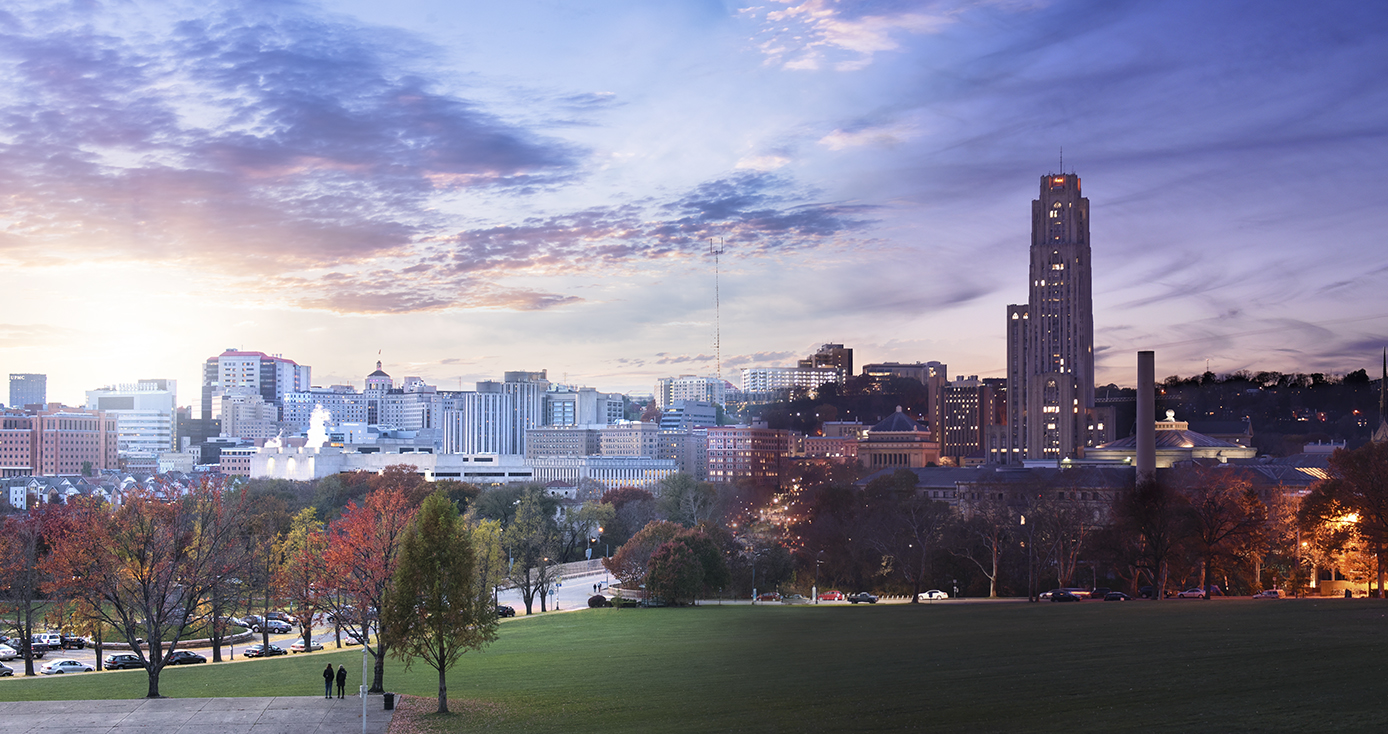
[(263, 651), (1191, 594), (58, 667), (5, 670), (7, 652), (184, 657), (1268, 594), (931, 595), (1063, 595), (769, 596), (121, 661), (1100, 593), (1046, 595), (49, 640), (831, 596), (1116, 596), (795, 599), (281, 616), (299, 647), (352, 637), (275, 626), (72, 642), (505, 610), (249, 621), (862, 596)]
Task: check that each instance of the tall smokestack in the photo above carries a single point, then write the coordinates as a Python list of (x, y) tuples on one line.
[(1146, 416)]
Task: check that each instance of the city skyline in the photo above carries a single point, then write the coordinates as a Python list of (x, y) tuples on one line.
[(466, 189)]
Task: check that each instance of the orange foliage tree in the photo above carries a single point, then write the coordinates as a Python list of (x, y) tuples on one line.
[(146, 566)]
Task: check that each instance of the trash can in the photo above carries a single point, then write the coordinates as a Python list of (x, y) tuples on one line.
[(390, 701)]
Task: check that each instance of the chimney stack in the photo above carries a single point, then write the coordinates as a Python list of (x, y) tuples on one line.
[(1146, 416)]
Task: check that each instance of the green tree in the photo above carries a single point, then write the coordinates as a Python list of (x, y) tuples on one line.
[(686, 500), (630, 561), (440, 606), (576, 527), (686, 567)]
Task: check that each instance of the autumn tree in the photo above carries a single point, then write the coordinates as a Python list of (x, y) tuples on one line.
[(21, 547), (686, 567), (299, 577), (632, 509), (577, 527), (361, 558), (404, 478), (146, 566), (1152, 515), (985, 533), (439, 606), (532, 546), (907, 532), (686, 500), (1354, 497), (630, 562), (1223, 510)]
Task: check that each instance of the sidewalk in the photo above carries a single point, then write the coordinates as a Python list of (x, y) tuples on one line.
[(278, 715)]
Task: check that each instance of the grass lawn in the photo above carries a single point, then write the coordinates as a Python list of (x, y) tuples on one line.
[(1176, 665)]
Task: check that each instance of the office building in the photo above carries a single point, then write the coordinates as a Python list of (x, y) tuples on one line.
[(689, 414), (28, 389), (59, 441)]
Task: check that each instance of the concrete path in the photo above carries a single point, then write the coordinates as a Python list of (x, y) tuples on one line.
[(278, 715)]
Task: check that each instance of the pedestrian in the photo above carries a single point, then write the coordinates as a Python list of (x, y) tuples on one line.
[(328, 681), (341, 679)]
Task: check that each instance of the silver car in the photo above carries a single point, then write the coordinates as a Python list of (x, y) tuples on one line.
[(58, 667)]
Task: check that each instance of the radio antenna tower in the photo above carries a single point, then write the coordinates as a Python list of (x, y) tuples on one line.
[(717, 308)]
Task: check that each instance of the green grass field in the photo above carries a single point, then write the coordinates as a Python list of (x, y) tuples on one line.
[(1177, 665)]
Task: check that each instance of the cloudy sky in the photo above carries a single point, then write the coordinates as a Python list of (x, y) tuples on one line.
[(472, 187)]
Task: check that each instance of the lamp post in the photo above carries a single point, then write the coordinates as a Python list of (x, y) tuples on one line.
[(1031, 579), (814, 590)]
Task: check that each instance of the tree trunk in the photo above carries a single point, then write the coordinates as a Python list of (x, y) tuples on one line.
[(97, 647), (1378, 555), (153, 680), (443, 692), (993, 580), (1205, 577), (378, 676)]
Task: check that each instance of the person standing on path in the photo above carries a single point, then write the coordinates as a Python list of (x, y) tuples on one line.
[(328, 681), (341, 679)]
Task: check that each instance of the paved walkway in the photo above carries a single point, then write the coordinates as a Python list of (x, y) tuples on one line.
[(278, 715)]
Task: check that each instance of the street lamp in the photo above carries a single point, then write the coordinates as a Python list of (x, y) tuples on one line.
[(1031, 577)]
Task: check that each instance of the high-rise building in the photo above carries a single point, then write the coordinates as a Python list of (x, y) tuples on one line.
[(1050, 340), (28, 389), (690, 387), (527, 391), (58, 442), (270, 375)]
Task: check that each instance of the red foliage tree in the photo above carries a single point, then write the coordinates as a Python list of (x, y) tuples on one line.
[(363, 548)]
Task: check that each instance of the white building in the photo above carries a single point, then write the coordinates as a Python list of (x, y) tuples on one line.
[(612, 472), (690, 387), (145, 418), (581, 406), (303, 464), (689, 414), (767, 379), (481, 424), (344, 405), (245, 414)]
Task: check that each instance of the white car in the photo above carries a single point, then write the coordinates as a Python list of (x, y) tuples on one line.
[(1191, 594), (58, 667), (8, 653), (1268, 594), (931, 595), (299, 647)]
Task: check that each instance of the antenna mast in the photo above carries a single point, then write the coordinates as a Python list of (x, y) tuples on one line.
[(717, 307)]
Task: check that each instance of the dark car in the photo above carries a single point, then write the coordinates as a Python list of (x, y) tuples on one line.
[(73, 642), (121, 661), (1100, 592), (1116, 596), (1063, 595), (503, 610), (281, 616), (261, 651), (862, 596), (275, 626), (184, 657)]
